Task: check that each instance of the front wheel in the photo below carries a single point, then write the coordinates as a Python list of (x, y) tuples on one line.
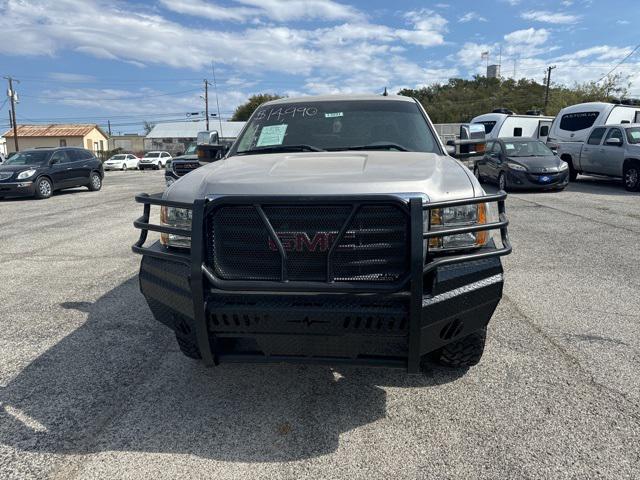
[(465, 352), (631, 177), (124, 167), (188, 346), (44, 188), (502, 182), (95, 182)]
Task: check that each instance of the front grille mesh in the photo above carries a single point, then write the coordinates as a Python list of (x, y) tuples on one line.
[(181, 169), (373, 248)]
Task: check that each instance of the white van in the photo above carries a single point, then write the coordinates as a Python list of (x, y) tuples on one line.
[(501, 125), (574, 123)]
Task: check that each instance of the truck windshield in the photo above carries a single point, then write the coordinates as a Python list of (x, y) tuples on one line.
[(633, 135), (337, 125), (29, 158), (530, 148)]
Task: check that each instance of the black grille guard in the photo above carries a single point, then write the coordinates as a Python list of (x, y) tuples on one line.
[(421, 260)]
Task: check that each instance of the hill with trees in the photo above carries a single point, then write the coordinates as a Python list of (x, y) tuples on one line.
[(458, 100)]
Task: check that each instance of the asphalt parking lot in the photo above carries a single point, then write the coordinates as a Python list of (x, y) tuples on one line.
[(92, 387)]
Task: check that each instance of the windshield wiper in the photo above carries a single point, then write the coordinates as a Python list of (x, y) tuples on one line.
[(374, 146), (281, 148)]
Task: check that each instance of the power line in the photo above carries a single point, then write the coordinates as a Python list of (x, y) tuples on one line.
[(115, 99), (619, 63)]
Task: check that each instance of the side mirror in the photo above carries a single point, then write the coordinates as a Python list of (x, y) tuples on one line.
[(614, 142), (451, 149), (472, 131)]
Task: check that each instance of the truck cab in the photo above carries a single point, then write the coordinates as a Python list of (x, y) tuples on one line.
[(612, 150)]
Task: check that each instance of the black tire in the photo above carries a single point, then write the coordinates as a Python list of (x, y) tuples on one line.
[(95, 182), (573, 173), (502, 182), (188, 346), (124, 167), (631, 176), (476, 173), (44, 188), (465, 352)]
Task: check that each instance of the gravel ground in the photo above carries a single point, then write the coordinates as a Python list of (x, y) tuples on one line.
[(92, 387)]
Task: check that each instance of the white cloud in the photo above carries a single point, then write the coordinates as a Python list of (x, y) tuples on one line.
[(278, 10), (471, 16), (545, 16), (530, 36), (428, 28), (71, 77)]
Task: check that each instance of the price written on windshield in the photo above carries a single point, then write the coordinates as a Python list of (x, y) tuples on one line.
[(279, 113)]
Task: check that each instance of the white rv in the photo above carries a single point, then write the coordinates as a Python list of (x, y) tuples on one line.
[(574, 123), (500, 125)]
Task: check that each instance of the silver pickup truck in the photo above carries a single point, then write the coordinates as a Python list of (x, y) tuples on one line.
[(612, 150), (336, 230)]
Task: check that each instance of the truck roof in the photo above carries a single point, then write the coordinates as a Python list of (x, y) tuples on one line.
[(620, 125), (341, 98)]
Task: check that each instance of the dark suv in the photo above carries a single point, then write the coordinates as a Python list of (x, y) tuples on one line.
[(39, 172)]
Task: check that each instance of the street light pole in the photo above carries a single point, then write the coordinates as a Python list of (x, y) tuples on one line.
[(12, 97), (206, 103)]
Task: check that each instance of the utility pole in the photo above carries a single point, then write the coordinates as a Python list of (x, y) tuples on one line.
[(12, 96), (206, 103), (109, 126), (546, 94), (215, 89)]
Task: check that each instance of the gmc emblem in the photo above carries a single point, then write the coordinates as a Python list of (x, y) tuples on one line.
[(302, 242)]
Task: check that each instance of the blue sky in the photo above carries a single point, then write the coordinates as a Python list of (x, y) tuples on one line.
[(129, 61)]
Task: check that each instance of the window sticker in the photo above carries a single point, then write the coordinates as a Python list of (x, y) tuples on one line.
[(333, 115), (635, 134), (272, 135), (509, 146)]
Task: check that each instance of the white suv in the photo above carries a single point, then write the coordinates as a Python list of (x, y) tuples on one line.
[(155, 160)]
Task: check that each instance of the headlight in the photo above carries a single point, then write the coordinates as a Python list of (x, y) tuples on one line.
[(563, 166), (516, 166), (26, 174), (178, 218), (464, 215)]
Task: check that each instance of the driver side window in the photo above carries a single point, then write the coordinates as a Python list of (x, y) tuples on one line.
[(59, 157), (614, 133)]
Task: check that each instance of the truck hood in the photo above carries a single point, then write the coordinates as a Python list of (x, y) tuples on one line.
[(329, 173)]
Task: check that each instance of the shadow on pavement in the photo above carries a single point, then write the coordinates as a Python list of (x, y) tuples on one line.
[(119, 383)]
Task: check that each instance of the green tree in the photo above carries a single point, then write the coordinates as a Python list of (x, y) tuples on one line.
[(459, 100), (244, 111), (147, 127)]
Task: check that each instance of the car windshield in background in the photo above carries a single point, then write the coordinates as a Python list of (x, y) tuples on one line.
[(633, 135), (338, 125), (29, 158), (531, 148), (191, 150), (152, 155), (118, 157)]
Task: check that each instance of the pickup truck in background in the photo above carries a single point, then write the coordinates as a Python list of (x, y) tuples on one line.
[(612, 150), (208, 148)]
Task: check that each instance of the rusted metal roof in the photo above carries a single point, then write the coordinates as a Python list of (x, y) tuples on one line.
[(53, 130)]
